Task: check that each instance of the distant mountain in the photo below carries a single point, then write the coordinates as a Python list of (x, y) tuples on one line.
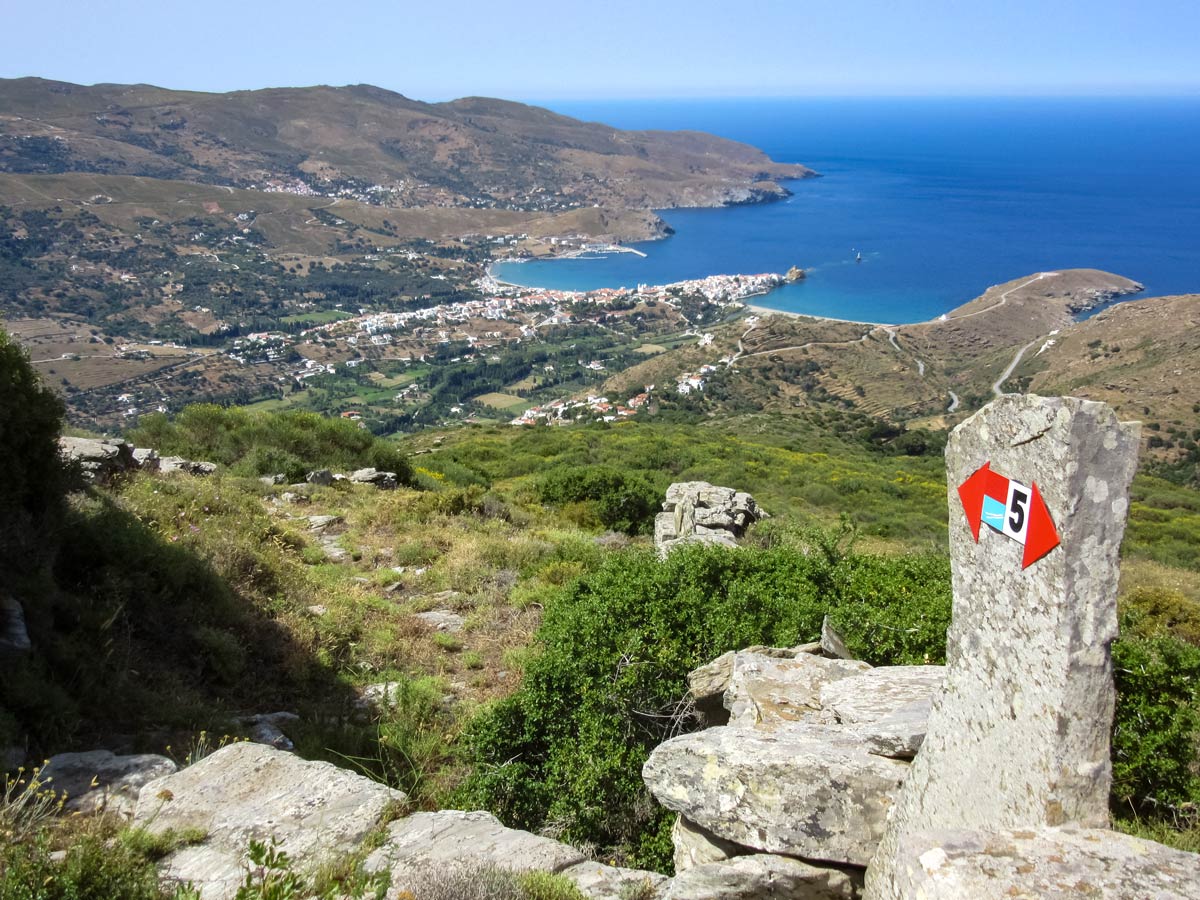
[(374, 144)]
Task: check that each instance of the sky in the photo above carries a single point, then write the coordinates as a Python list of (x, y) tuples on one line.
[(539, 50)]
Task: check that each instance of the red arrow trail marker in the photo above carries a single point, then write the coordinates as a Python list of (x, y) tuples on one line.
[(1009, 508)]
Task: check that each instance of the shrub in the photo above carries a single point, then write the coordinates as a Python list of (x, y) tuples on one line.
[(614, 649), (621, 501), (1157, 723), (263, 443), (97, 863)]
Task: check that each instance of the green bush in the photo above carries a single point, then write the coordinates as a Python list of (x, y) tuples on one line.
[(621, 501), (1156, 728), (614, 648), (97, 864), (263, 443)]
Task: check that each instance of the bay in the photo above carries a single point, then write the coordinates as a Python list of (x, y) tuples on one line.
[(941, 197)]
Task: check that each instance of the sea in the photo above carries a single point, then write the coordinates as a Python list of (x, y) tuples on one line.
[(922, 204)]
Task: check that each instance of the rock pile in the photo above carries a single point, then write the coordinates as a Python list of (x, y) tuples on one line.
[(696, 511), (319, 812), (103, 460), (1007, 794), (807, 765)]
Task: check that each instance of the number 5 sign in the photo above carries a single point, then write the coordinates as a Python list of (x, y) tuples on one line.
[(1010, 508)]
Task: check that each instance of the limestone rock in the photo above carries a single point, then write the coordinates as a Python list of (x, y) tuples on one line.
[(319, 477), (441, 620), (1042, 864), (1019, 735), (14, 638), (169, 464), (267, 728), (145, 459), (878, 693), (801, 789), (433, 840), (99, 781), (98, 460), (315, 809), (795, 273), (600, 882), (898, 734), (832, 644), (385, 481), (768, 690), (699, 511), (695, 847), (320, 523), (759, 876)]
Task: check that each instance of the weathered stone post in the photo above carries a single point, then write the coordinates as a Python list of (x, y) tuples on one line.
[(1019, 735)]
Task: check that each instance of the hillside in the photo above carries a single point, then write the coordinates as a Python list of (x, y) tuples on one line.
[(934, 373), (368, 141)]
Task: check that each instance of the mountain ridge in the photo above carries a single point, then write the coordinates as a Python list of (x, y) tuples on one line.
[(473, 151)]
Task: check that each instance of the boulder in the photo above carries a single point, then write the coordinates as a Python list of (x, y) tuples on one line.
[(98, 781), (694, 846), (14, 638), (320, 477), (759, 876), (801, 789), (765, 690), (272, 480), (98, 460), (701, 512), (428, 841), (385, 481), (1042, 864), (597, 881), (246, 791), (1018, 737)]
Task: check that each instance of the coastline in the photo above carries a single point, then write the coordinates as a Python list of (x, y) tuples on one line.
[(767, 311)]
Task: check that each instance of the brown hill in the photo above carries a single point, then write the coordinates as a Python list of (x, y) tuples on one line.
[(474, 151), (1127, 355), (1142, 357)]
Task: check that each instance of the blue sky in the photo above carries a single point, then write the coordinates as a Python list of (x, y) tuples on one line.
[(565, 50)]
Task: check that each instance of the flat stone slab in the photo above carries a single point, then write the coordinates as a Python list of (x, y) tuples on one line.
[(760, 876), (99, 780), (437, 840), (600, 882), (247, 791), (765, 690), (880, 692), (1042, 864), (898, 735), (802, 789)]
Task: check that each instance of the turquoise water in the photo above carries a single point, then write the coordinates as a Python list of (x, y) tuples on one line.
[(941, 197)]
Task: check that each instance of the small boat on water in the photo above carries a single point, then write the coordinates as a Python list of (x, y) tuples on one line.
[(858, 258)]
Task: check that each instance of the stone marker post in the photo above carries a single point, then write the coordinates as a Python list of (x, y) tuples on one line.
[(1019, 735)]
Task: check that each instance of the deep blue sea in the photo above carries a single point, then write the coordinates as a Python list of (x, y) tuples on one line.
[(942, 197)]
